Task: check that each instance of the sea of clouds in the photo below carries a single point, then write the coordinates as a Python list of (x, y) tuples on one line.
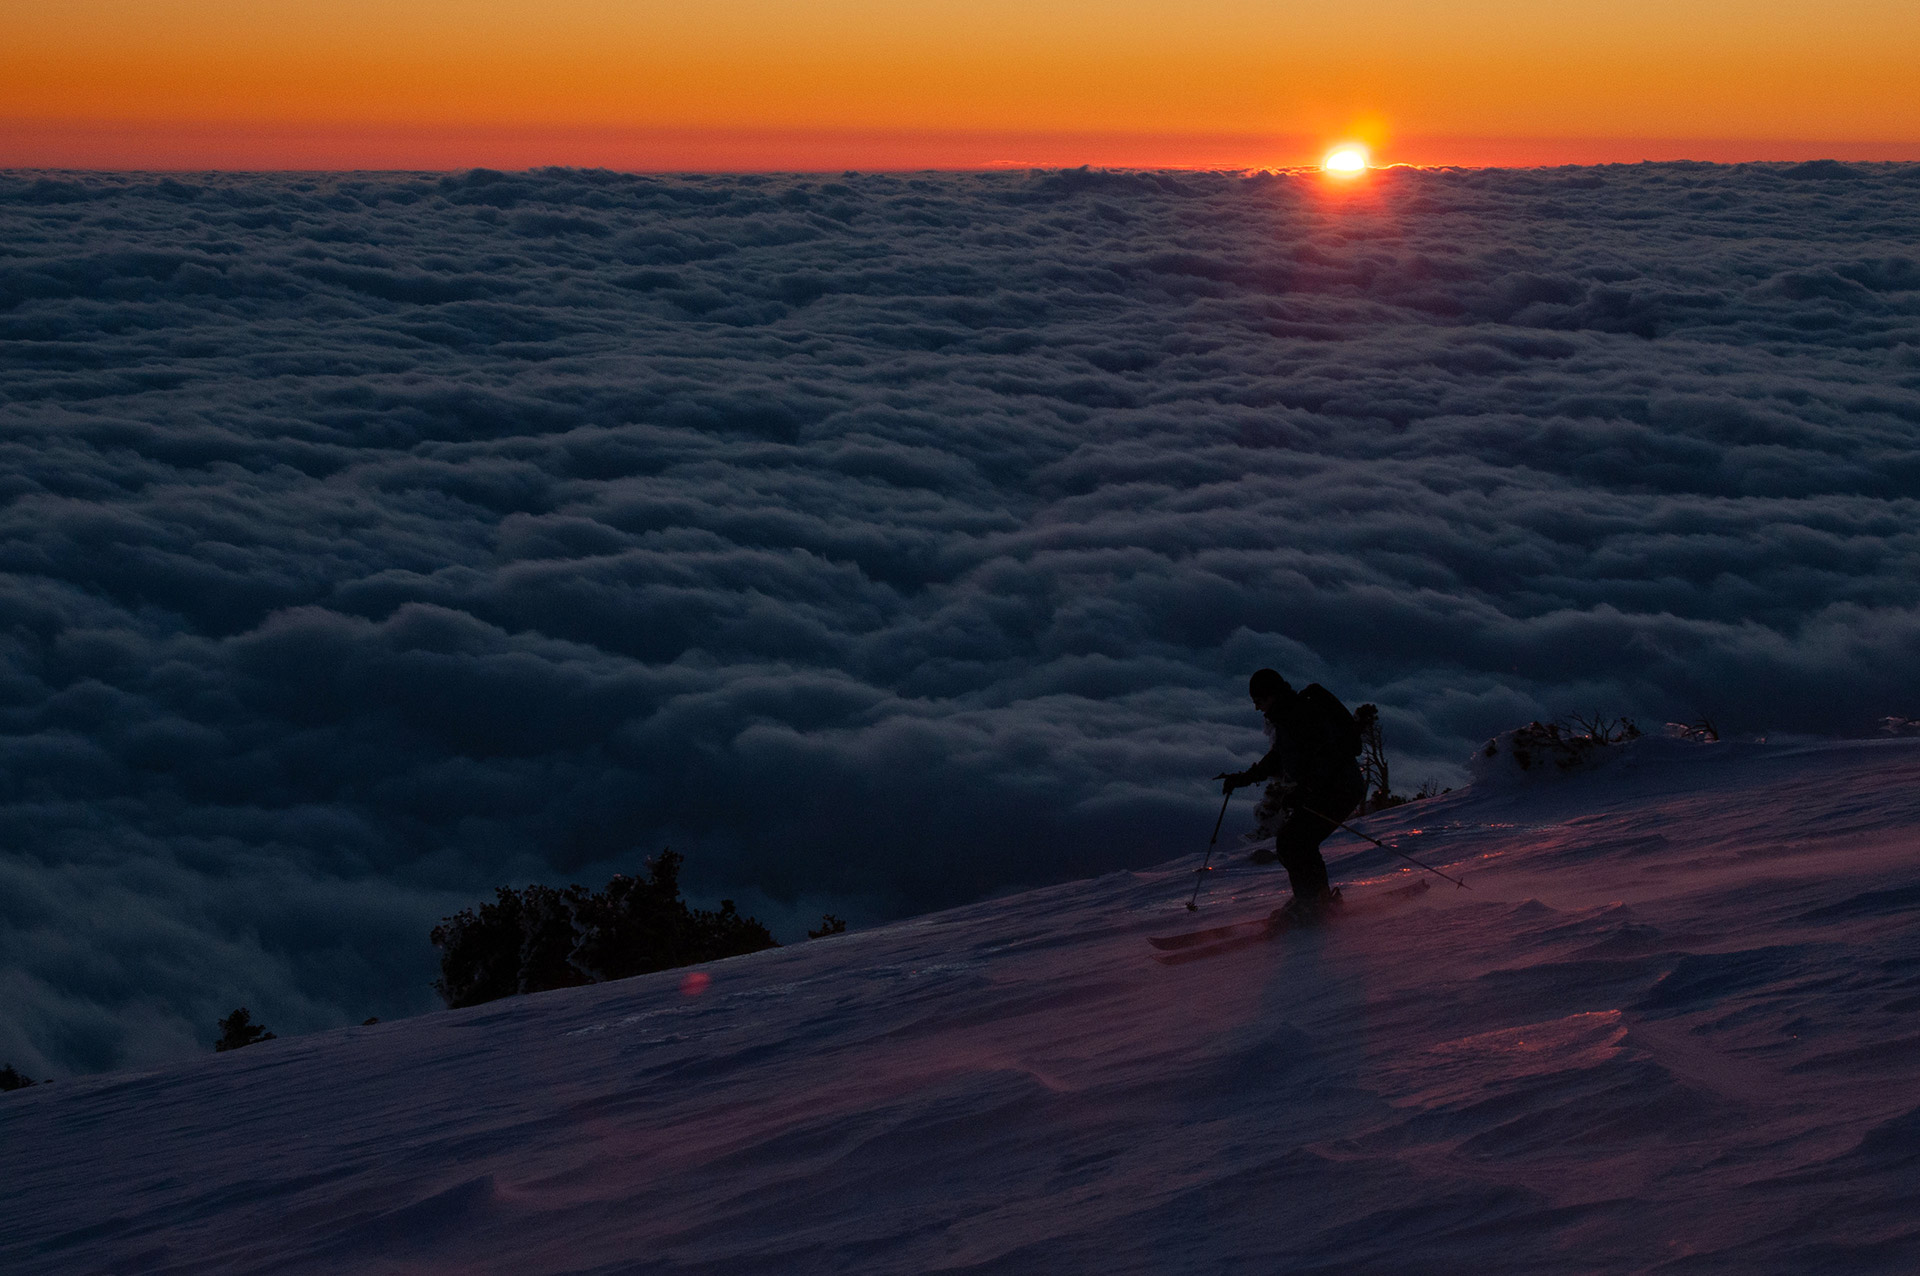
[(877, 542)]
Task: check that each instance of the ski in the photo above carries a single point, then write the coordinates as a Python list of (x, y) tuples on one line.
[(1211, 934), (1271, 928), (1232, 935)]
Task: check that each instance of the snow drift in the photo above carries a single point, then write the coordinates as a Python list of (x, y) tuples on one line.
[(1670, 1027)]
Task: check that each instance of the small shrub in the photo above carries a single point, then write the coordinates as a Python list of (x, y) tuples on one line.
[(1567, 744), (12, 1080), (1701, 732), (829, 925), (238, 1029), (539, 938), (1373, 762), (1600, 730), (483, 953), (1540, 742)]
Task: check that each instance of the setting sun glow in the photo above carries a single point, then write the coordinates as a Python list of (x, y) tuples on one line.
[(762, 85), (1349, 160)]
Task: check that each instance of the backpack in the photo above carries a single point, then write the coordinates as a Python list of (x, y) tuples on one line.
[(1338, 732)]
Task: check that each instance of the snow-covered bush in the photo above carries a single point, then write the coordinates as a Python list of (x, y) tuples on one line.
[(1567, 745)]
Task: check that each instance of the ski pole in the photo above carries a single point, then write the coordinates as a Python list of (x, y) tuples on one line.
[(1383, 846), (1200, 874)]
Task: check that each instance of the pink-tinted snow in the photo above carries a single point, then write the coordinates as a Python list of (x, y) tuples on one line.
[(1674, 1025)]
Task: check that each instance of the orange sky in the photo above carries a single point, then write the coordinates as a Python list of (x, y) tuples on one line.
[(832, 83)]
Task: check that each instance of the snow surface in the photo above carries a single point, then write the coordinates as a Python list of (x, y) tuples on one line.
[(1671, 1027)]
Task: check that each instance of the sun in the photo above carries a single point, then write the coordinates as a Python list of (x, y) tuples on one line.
[(1349, 159)]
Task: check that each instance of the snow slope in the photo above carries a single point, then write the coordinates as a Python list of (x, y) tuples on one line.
[(1671, 1027)]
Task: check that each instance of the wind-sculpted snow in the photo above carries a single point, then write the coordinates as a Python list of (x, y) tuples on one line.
[(879, 542), (1666, 1027)]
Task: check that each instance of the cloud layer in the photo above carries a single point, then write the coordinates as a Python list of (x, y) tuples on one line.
[(877, 542)]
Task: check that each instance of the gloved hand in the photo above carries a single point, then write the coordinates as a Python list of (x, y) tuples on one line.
[(1232, 780)]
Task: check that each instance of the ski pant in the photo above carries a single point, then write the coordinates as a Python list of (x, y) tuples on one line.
[(1315, 811)]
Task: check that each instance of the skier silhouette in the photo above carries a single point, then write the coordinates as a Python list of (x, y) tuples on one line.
[(1316, 744)]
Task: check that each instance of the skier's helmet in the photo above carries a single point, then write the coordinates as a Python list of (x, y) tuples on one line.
[(1266, 683)]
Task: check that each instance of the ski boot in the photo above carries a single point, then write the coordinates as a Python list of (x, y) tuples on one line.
[(1311, 911)]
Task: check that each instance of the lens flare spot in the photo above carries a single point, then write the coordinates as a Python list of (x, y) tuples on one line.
[(1346, 160), (695, 984)]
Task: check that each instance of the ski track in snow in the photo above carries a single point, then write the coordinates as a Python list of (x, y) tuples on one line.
[(1670, 1027)]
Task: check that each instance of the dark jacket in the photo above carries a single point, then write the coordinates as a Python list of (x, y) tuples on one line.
[(1315, 740)]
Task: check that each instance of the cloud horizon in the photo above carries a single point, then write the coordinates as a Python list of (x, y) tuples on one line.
[(268, 146)]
